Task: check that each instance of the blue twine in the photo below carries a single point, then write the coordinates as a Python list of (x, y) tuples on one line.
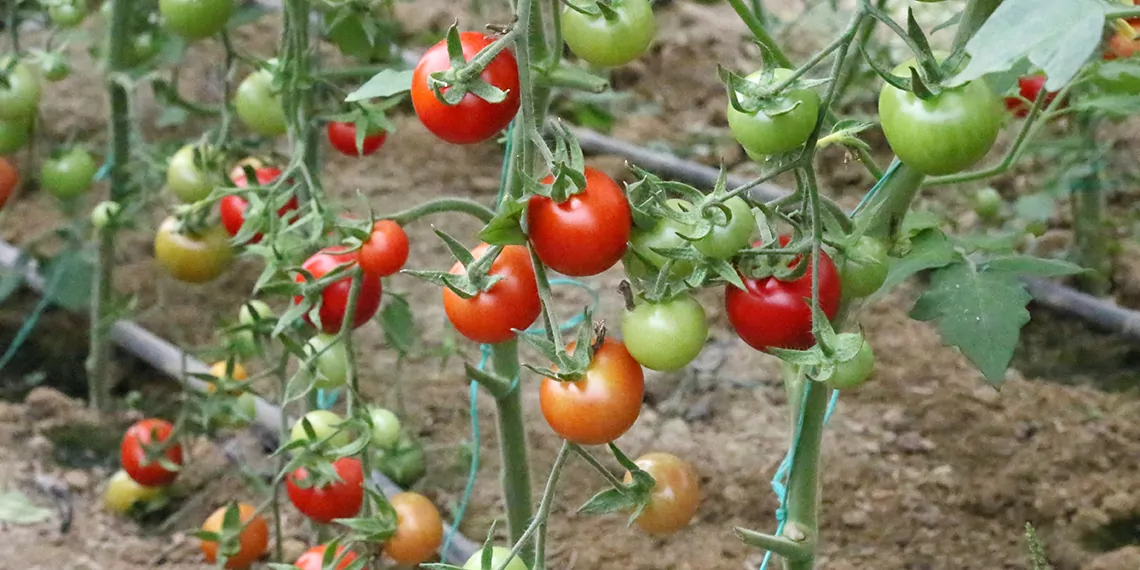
[(779, 486)]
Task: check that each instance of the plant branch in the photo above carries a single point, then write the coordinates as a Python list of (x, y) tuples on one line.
[(439, 206)]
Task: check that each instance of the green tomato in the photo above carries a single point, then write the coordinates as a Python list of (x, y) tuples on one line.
[(21, 96), (613, 39), (499, 555), (14, 134), (763, 134), (70, 175), (103, 213), (242, 412), (144, 46), (253, 311), (325, 424), (68, 14), (725, 241), (864, 268), (189, 182), (665, 336), (988, 204), (404, 464), (385, 427), (195, 19), (854, 372), (54, 67), (1036, 228), (331, 364), (258, 106), (945, 133), (665, 235)]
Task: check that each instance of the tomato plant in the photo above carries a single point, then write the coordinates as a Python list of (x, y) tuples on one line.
[(313, 558), (944, 133), (9, 180), (512, 303), (253, 538), (386, 250), (334, 295), (601, 405), (123, 493), (473, 119), (258, 104), (587, 233), (326, 427), (611, 36), (19, 93), (675, 496), (419, 530), (195, 19), (195, 257), (771, 313), (68, 175), (499, 556), (789, 122), (138, 453), (666, 335), (232, 208), (335, 500), (342, 137)]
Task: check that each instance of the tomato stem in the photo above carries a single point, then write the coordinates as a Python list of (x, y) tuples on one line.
[(539, 523), (513, 445), (808, 409), (1086, 192), (439, 206), (757, 28)]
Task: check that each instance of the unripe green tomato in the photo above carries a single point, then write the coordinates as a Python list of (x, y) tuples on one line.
[(122, 493), (14, 134), (259, 106), (195, 19), (253, 311), (667, 335), (854, 372), (104, 212), (404, 464), (988, 204), (324, 424), (610, 41), (144, 46), (244, 411), (189, 182), (68, 13), (499, 555), (864, 268), (385, 427), (1037, 228), (331, 364), (724, 242), (20, 97), (664, 235), (55, 67), (761, 134), (70, 175)]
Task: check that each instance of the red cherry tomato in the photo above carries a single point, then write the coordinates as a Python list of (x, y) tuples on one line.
[(386, 250), (232, 208), (144, 434), (602, 405), (473, 119), (587, 233), (9, 179), (1120, 47), (1029, 86), (511, 303), (337, 500), (313, 557), (334, 298), (342, 136), (773, 313)]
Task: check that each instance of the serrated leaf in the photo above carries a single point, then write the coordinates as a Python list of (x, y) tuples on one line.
[(398, 324), (504, 229), (1057, 36), (70, 274), (726, 271), (1115, 105), (980, 312), (17, 508), (384, 84), (1029, 265), (928, 250), (609, 501)]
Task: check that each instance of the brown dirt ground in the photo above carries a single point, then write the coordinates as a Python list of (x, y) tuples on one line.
[(926, 468)]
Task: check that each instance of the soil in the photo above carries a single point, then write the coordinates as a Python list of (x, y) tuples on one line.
[(926, 467)]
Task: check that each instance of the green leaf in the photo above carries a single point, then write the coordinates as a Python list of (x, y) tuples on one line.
[(609, 501), (1037, 207), (384, 84), (398, 324), (1058, 36), (69, 277), (16, 508), (981, 313), (1115, 105), (928, 250), (1029, 265), (506, 227)]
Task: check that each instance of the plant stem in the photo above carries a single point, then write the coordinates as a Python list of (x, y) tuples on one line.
[(539, 522), (804, 478), (441, 205), (756, 26), (283, 436), (973, 16), (1087, 197), (513, 446), (99, 354)]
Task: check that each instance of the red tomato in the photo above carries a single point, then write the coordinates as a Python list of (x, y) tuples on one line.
[(1030, 87), (334, 298), (419, 530), (312, 558), (149, 433), (386, 250), (9, 179), (342, 136), (337, 500), (773, 313), (586, 234), (232, 207), (511, 303), (473, 119), (602, 405)]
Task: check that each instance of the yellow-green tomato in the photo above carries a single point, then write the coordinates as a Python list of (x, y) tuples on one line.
[(763, 134), (195, 19), (68, 175), (499, 555), (325, 424), (385, 427), (609, 38), (20, 96), (187, 179), (666, 335), (192, 257), (122, 493), (330, 361), (854, 372), (258, 105), (104, 212), (253, 311)]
